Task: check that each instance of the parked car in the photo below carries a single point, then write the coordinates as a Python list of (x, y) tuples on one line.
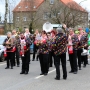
[(2, 48)]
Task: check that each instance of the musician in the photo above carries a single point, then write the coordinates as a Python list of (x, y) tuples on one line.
[(43, 53), (8, 43), (27, 35), (51, 53), (83, 45), (16, 39), (25, 53), (59, 46), (80, 50), (35, 47), (72, 50)]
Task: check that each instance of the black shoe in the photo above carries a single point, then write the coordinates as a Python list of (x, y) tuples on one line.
[(71, 71), (14, 64), (26, 72), (41, 74), (33, 60), (75, 72), (64, 78), (80, 69), (84, 66), (50, 66), (18, 66), (68, 60), (11, 67), (36, 59), (57, 78), (22, 73), (7, 68), (45, 74)]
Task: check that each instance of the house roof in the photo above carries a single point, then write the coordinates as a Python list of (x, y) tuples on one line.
[(28, 5), (32, 5), (72, 4)]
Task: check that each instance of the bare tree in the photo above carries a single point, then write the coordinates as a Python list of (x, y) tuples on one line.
[(60, 13), (6, 14)]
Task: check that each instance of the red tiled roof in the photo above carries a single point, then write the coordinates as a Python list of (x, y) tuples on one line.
[(72, 4), (28, 5)]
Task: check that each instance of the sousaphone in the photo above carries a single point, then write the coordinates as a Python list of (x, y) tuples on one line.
[(47, 27)]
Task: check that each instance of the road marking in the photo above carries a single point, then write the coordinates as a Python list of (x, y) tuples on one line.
[(51, 71), (43, 75), (39, 77), (2, 64)]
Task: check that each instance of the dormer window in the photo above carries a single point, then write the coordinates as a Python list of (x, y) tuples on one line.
[(51, 1), (34, 7)]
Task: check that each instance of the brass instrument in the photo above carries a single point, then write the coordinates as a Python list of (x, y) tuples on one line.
[(47, 27), (9, 43)]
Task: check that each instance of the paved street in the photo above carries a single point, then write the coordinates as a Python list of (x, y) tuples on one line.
[(12, 80)]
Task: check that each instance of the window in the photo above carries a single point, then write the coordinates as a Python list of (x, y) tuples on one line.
[(17, 19), (19, 7), (24, 18), (34, 7), (17, 28), (26, 7), (24, 28), (53, 15), (51, 1), (46, 16)]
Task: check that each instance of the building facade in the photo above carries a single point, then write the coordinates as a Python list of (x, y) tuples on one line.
[(34, 13)]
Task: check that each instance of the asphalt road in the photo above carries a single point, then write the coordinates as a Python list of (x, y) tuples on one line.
[(10, 79)]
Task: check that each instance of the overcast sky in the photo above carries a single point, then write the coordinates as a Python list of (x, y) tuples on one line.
[(84, 3)]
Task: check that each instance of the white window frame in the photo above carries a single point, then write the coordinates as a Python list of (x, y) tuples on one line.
[(26, 6), (19, 7), (51, 1), (17, 18), (24, 18), (46, 15)]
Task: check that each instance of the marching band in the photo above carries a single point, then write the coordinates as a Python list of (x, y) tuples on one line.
[(55, 43)]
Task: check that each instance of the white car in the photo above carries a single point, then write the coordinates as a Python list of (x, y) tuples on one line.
[(2, 48)]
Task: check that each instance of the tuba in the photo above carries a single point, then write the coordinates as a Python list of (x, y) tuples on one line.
[(47, 27)]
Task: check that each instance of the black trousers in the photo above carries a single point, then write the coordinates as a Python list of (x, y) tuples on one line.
[(16, 54), (51, 57), (61, 57), (73, 61), (25, 61), (34, 52), (44, 62), (9, 59), (79, 51), (84, 59)]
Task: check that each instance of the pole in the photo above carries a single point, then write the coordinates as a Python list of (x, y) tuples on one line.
[(5, 19)]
